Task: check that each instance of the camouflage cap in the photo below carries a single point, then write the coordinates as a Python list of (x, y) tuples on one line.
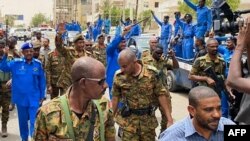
[(78, 37)]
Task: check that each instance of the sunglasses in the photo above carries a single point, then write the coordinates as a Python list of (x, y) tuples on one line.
[(99, 81)]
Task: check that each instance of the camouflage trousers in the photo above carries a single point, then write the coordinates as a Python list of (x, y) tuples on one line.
[(55, 92), (143, 136), (4, 103)]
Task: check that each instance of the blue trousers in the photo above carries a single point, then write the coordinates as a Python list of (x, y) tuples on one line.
[(26, 114), (178, 49), (200, 31), (224, 105), (187, 48), (164, 43)]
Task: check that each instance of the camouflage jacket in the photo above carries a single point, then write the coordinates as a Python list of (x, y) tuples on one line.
[(54, 67), (70, 55), (149, 60), (140, 92), (4, 77), (201, 63), (100, 54), (51, 123)]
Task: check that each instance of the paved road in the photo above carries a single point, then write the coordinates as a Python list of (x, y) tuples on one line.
[(179, 111)]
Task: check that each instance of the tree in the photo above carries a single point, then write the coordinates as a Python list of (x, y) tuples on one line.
[(184, 8), (106, 7), (38, 19), (11, 20), (144, 15)]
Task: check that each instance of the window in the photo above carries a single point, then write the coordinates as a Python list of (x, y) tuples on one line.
[(156, 4)]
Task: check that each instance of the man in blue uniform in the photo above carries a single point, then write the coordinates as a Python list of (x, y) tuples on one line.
[(135, 30), (166, 32), (28, 87), (204, 17), (107, 25), (188, 36)]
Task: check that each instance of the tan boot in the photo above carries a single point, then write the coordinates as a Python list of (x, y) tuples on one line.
[(4, 131)]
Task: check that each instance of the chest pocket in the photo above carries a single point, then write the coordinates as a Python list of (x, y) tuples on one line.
[(125, 89), (21, 71)]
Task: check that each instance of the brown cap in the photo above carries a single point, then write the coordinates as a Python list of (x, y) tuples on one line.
[(78, 37), (36, 44)]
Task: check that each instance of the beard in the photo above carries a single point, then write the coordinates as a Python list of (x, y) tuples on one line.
[(209, 124)]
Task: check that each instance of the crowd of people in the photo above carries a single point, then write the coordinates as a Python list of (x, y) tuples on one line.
[(77, 77)]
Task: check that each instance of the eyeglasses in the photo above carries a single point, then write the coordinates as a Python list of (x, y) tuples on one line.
[(99, 81)]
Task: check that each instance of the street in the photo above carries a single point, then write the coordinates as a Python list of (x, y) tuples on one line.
[(179, 104)]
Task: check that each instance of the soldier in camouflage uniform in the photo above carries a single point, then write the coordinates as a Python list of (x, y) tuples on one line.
[(153, 42), (53, 70), (82, 100), (36, 47), (161, 64), (5, 92), (217, 63), (70, 54), (139, 88), (99, 49)]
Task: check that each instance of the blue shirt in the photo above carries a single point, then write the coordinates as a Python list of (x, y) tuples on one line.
[(28, 81), (112, 59), (227, 55), (188, 29), (185, 131), (135, 31), (118, 30), (204, 15), (107, 23), (166, 29)]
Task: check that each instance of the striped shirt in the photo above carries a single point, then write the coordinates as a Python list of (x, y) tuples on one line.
[(185, 131)]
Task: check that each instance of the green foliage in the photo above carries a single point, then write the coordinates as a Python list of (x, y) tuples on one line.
[(10, 19), (38, 19), (106, 6), (144, 15), (183, 7)]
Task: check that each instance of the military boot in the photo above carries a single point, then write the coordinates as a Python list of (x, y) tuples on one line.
[(4, 131)]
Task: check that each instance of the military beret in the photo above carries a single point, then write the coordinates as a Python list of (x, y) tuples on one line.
[(26, 46), (36, 44), (99, 36), (78, 37)]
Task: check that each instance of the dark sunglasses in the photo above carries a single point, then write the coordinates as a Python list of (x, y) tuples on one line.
[(99, 81)]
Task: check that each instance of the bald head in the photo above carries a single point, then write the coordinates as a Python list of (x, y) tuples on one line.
[(198, 93), (211, 40), (87, 67), (127, 54)]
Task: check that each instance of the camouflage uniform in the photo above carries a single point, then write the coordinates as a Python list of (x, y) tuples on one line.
[(5, 94), (201, 63), (141, 92), (161, 66), (100, 54), (53, 71), (51, 124), (70, 55)]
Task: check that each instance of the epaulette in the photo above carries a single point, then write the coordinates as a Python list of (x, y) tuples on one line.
[(152, 68), (118, 72), (18, 59), (37, 60)]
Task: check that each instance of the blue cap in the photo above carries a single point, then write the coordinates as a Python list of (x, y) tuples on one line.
[(26, 46)]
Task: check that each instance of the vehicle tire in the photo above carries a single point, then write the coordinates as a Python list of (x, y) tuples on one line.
[(171, 81)]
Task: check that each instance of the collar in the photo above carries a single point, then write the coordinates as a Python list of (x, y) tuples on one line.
[(32, 60), (208, 59), (87, 113), (144, 71), (190, 130)]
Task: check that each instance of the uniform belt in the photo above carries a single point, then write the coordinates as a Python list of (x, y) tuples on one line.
[(142, 111), (201, 24), (187, 37)]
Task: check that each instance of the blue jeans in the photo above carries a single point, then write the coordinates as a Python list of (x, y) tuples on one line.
[(224, 105)]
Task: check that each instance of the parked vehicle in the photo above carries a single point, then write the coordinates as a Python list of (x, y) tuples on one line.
[(21, 33)]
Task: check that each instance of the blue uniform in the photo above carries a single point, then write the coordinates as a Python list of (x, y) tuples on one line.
[(107, 26), (118, 30), (28, 88), (135, 31), (178, 45), (188, 39), (166, 32), (227, 55), (204, 19), (112, 52)]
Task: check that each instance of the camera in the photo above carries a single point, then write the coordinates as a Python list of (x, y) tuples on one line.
[(224, 19)]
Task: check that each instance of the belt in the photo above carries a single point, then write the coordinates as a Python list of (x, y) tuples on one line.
[(142, 111), (187, 37), (202, 24)]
